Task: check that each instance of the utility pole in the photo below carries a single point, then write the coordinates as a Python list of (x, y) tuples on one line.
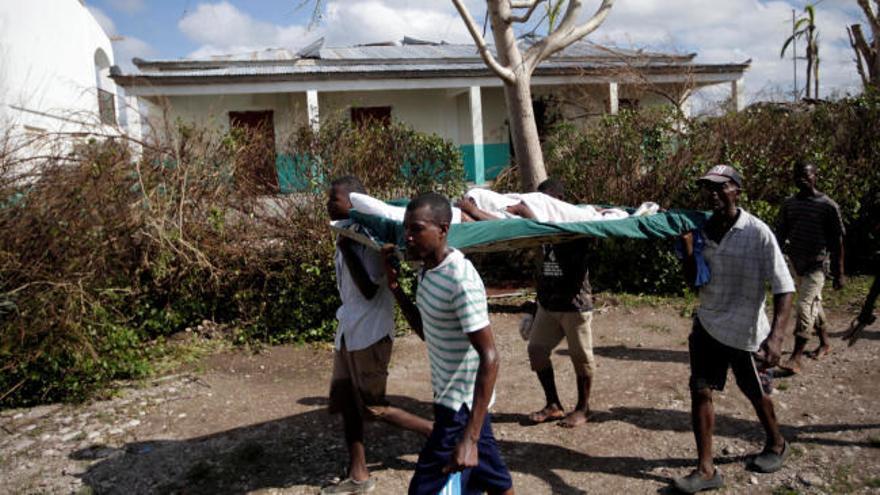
[(794, 56)]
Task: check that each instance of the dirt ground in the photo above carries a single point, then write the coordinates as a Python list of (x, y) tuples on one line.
[(257, 423)]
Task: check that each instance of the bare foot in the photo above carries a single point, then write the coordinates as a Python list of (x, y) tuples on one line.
[(792, 365), (549, 413), (575, 418), (820, 352)]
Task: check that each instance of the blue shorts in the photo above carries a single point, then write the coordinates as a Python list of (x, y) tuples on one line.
[(490, 475)]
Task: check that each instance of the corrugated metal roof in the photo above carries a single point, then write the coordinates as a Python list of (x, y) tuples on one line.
[(411, 51), (297, 69), (413, 57)]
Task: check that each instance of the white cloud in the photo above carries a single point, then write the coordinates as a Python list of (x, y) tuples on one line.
[(351, 22), (127, 48), (127, 6), (222, 28), (720, 32), (736, 30), (104, 20), (124, 47)]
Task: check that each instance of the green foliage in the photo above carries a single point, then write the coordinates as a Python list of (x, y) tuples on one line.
[(654, 155), (392, 160), (106, 254)]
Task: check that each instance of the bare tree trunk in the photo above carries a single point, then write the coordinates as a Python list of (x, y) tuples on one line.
[(808, 93), (869, 53), (518, 96), (515, 68), (524, 132)]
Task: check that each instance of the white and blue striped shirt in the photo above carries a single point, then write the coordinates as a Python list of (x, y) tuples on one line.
[(452, 302)]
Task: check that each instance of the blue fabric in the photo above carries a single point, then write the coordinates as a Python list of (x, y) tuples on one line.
[(490, 475), (703, 272)]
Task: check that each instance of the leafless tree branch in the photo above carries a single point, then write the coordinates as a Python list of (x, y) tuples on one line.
[(525, 17), (567, 33), (503, 72)]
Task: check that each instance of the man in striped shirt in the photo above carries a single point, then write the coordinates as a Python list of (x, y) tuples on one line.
[(451, 316), (810, 230)]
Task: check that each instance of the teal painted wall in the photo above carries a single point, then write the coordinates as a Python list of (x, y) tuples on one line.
[(293, 174), (496, 156)]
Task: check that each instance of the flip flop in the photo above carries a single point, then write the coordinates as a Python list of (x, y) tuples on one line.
[(789, 368), (819, 353), (546, 414)]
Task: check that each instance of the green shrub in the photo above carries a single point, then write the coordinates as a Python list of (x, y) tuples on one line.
[(105, 252), (652, 155)]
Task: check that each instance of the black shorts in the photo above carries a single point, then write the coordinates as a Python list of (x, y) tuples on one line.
[(710, 360)]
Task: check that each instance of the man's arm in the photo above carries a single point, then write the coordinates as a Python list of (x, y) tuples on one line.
[(409, 310), (837, 263), (835, 242), (465, 454), (469, 206), (356, 268), (773, 345), (689, 261)]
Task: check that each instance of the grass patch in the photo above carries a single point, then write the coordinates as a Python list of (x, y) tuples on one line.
[(651, 327), (841, 481), (782, 386), (187, 352), (785, 490), (850, 297), (872, 483)]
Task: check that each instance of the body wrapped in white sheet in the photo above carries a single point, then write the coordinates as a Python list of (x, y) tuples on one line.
[(546, 208), (372, 206)]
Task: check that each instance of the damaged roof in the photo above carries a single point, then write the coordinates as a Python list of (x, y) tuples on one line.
[(407, 58)]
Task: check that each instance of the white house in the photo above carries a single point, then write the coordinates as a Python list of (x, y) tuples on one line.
[(434, 87), (55, 62)]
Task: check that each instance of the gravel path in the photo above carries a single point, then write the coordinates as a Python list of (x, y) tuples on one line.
[(243, 423)]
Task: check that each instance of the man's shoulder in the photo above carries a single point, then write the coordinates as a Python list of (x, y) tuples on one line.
[(756, 226), (458, 270), (826, 200)]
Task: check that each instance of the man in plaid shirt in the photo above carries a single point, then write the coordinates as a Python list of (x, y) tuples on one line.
[(731, 326)]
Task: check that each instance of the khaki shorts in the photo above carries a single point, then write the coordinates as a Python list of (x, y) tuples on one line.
[(810, 314), (359, 378), (548, 330)]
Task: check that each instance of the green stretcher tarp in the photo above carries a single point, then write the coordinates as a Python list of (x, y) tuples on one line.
[(516, 233)]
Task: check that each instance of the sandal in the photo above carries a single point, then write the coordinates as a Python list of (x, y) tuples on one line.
[(549, 413), (695, 482), (770, 462)]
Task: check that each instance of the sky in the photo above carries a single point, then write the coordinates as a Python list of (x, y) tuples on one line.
[(722, 31)]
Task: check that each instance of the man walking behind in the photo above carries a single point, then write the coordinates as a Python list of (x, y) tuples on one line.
[(810, 230), (565, 308), (730, 324), (363, 345)]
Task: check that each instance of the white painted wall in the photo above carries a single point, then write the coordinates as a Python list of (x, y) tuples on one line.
[(289, 111), (431, 111), (445, 112), (47, 65)]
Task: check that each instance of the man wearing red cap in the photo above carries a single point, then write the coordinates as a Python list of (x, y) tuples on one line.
[(731, 325)]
